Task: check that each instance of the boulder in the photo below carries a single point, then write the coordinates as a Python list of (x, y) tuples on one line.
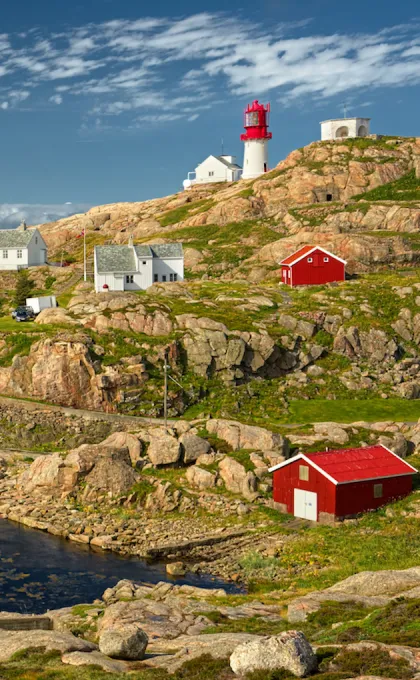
[(333, 432), (47, 474), (237, 479), (241, 436), (378, 582), (288, 651), (50, 640), (193, 447), (202, 479), (164, 448), (121, 440), (123, 641), (94, 659), (176, 569), (112, 475)]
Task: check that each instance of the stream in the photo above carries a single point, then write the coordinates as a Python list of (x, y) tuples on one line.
[(40, 572)]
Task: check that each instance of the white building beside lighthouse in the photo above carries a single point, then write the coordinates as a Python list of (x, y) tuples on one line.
[(256, 140), (343, 128)]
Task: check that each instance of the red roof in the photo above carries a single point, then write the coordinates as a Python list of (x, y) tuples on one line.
[(354, 465), (299, 253)]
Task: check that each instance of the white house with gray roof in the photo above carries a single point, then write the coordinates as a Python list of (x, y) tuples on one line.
[(21, 248), (215, 169), (131, 267)]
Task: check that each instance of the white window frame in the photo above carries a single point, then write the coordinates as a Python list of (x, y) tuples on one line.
[(310, 259), (211, 173), (326, 259), (163, 278), (19, 253), (175, 277), (155, 278), (5, 254), (129, 278)]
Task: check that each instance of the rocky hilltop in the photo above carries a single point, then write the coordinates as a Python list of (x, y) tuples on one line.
[(312, 190)]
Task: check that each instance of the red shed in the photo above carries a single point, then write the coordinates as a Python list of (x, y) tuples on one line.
[(330, 485), (312, 265)]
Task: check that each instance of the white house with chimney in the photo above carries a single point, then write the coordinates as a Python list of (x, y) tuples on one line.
[(214, 169), (130, 267), (21, 248)]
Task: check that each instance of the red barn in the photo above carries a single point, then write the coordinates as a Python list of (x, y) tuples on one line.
[(331, 485), (312, 265)]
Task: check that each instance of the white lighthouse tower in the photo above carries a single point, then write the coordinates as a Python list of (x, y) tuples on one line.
[(256, 140)]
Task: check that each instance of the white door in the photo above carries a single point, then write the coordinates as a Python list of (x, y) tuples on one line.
[(305, 504)]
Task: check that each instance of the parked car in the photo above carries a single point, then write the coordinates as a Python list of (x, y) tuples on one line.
[(23, 315), (23, 309)]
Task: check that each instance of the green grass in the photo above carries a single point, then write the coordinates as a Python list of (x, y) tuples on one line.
[(352, 410), (406, 188), (179, 214)]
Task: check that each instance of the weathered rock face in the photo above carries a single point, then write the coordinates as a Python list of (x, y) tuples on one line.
[(241, 436), (237, 479), (193, 447), (200, 478), (379, 582), (104, 468), (164, 448), (59, 371), (289, 651), (123, 641), (212, 350), (122, 440), (374, 345), (50, 474), (12, 642)]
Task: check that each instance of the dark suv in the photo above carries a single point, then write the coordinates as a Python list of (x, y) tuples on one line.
[(23, 313)]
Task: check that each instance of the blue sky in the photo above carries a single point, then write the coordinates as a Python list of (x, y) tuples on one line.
[(110, 100)]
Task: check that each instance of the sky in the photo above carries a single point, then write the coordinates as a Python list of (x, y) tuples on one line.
[(116, 100)]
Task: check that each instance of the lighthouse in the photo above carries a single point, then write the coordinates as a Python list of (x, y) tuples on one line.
[(256, 138)]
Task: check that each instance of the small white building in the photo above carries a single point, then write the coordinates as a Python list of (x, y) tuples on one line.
[(214, 169), (130, 267), (21, 248), (342, 128)]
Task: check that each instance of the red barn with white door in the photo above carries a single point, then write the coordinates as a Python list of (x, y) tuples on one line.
[(331, 485), (312, 265)]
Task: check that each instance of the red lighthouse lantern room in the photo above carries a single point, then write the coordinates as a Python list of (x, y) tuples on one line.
[(256, 122)]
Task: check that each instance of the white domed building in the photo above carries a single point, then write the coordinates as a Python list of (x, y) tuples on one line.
[(343, 128)]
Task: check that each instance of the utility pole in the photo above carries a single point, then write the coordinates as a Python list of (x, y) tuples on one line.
[(165, 389), (84, 255), (166, 376)]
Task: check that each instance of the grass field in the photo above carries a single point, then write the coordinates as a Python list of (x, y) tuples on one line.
[(352, 410)]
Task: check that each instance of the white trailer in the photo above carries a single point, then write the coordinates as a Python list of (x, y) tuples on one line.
[(40, 303)]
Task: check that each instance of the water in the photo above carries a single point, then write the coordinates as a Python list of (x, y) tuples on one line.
[(40, 572)]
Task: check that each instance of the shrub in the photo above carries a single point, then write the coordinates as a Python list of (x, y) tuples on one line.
[(49, 282), (24, 287)]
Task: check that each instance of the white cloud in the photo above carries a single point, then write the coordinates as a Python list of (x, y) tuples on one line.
[(56, 99), (11, 215), (123, 66)]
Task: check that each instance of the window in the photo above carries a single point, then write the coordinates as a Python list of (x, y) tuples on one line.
[(19, 254), (156, 278), (144, 261), (5, 254), (329, 197), (163, 278), (310, 259), (288, 273), (171, 277), (129, 278), (175, 277), (211, 173), (378, 490), (36, 240), (326, 259), (304, 473)]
